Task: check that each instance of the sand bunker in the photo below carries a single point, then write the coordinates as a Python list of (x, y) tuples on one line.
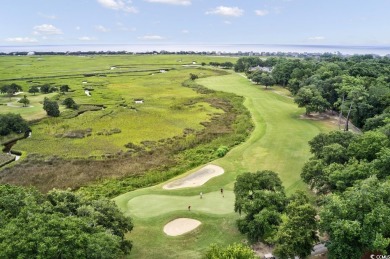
[(181, 226), (196, 179)]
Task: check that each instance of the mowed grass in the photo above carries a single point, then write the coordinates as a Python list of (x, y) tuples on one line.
[(33, 111), (212, 202), (152, 208), (278, 143)]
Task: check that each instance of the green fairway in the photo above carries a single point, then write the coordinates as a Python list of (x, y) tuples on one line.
[(146, 206), (278, 143)]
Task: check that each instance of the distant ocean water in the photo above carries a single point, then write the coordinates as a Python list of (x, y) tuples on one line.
[(223, 48)]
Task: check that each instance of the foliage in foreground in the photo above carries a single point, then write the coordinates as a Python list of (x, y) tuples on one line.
[(270, 217), (350, 173), (298, 233), (261, 197), (60, 224), (234, 251), (357, 220)]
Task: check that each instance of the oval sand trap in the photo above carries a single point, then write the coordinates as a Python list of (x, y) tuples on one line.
[(197, 178), (181, 226)]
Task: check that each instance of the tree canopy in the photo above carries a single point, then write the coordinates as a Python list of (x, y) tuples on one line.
[(352, 172), (24, 101), (51, 107), (358, 86), (357, 220), (260, 196), (298, 233), (33, 89), (12, 123), (269, 216), (70, 103), (60, 224), (236, 250), (10, 89), (341, 159)]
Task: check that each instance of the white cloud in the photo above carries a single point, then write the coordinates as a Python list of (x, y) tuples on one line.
[(118, 5), (185, 31), (173, 2), (78, 28), (86, 38), (317, 38), (261, 12), (151, 37), (101, 28), (21, 40), (46, 29), (226, 11)]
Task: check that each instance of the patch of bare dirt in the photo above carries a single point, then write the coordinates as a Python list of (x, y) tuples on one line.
[(262, 249), (332, 118)]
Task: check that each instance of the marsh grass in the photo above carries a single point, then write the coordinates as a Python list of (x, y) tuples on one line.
[(126, 146)]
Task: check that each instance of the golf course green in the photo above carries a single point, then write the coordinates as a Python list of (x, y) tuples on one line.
[(278, 143)]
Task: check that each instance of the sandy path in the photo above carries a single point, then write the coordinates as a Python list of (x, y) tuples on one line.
[(181, 226), (197, 178)]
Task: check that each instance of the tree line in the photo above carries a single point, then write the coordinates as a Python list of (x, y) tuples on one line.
[(358, 87), (350, 174)]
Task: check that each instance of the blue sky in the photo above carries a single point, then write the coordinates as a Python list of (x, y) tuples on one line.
[(345, 22)]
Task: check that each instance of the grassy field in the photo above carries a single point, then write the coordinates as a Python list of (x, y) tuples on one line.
[(278, 143), (111, 138), (117, 81)]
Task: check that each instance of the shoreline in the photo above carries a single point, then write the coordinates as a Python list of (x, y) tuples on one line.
[(381, 50)]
